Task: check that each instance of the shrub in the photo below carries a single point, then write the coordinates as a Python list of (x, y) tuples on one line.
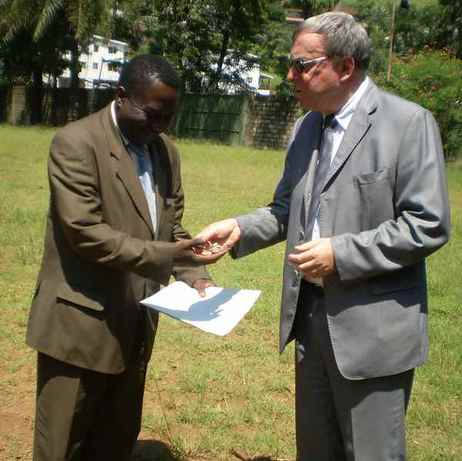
[(433, 79)]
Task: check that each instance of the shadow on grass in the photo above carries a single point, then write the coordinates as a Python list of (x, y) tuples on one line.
[(153, 450), (260, 458), (242, 457)]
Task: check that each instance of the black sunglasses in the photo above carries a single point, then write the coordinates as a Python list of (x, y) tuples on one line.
[(303, 65)]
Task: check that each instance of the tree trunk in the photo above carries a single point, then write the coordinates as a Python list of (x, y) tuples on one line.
[(74, 68), (221, 59), (307, 9), (36, 95), (54, 101)]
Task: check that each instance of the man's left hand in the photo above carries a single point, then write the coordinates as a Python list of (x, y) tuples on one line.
[(314, 259), (201, 284)]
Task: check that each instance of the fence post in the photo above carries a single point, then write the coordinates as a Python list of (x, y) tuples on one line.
[(17, 109), (244, 118)]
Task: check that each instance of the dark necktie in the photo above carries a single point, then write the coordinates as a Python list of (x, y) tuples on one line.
[(320, 175)]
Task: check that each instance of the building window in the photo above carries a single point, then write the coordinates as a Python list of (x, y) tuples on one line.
[(113, 67), (112, 50), (95, 65), (95, 47), (83, 65)]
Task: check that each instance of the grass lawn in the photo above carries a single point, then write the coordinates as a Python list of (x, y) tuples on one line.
[(212, 398)]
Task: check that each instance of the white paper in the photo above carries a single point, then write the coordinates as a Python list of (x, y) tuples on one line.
[(218, 313)]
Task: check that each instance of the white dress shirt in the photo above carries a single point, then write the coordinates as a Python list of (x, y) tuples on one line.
[(332, 136), (140, 155)]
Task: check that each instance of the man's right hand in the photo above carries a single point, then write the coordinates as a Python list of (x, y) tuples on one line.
[(224, 234)]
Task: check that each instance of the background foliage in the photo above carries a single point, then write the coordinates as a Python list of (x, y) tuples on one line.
[(201, 37), (433, 80)]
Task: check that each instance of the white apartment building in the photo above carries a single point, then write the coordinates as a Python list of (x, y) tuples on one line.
[(240, 77), (102, 61), (100, 65)]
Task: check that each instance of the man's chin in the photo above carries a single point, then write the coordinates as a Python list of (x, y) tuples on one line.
[(302, 100), (306, 105)]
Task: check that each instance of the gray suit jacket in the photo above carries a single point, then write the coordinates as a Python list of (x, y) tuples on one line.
[(385, 207), (101, 254)]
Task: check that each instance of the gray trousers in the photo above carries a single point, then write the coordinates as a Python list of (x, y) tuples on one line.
[(83, 415), (339, 419)]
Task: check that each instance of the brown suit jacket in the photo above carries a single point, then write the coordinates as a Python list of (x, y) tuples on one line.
[(101, 254)]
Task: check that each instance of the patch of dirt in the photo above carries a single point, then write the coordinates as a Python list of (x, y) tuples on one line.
[(17, 404), (16, 424)]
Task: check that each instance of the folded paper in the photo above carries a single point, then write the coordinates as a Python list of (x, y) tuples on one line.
[(218, 312)]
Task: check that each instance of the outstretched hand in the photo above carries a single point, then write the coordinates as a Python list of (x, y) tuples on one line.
[(221, 234)]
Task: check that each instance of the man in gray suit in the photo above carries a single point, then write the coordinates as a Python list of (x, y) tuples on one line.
[(362, 201)]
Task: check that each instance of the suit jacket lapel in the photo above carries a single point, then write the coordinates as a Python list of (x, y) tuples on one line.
[(124, 168), (313, 152), (357, 129)]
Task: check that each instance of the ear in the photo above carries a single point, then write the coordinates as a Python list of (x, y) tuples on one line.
[(120, 94), (348, 68)]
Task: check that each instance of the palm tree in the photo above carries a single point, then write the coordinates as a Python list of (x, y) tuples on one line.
[(37, 18), (38, 15)]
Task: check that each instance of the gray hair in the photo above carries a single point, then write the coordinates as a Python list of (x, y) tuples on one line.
[(344, 36)]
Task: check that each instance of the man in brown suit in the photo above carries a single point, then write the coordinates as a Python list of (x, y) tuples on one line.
[(114, 235)]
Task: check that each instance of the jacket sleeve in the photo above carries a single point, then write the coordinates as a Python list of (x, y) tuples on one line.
[(421, 205), (76, 201)]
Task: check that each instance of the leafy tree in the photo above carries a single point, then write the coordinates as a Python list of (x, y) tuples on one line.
[(204, 39), (48, 28), (26, 59), (311, 7), (128, 21), (432, 79), (416, 28), (450, 26)]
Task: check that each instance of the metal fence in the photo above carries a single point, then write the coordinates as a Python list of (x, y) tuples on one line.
[(218, 117), (230, 119), (61, 105)]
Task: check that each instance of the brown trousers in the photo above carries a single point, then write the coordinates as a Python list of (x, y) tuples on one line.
[(83, 415)]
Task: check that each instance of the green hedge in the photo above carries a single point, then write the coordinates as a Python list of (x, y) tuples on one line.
[(433, 80)]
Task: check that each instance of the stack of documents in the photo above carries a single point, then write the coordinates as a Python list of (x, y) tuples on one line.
[(218, 313)]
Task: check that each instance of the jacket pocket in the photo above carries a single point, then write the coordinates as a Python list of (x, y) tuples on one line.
[(76, 296), (373, 177), (375, 198)]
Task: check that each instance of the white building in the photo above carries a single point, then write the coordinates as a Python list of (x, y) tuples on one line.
[(100, 65), (244, 77)]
